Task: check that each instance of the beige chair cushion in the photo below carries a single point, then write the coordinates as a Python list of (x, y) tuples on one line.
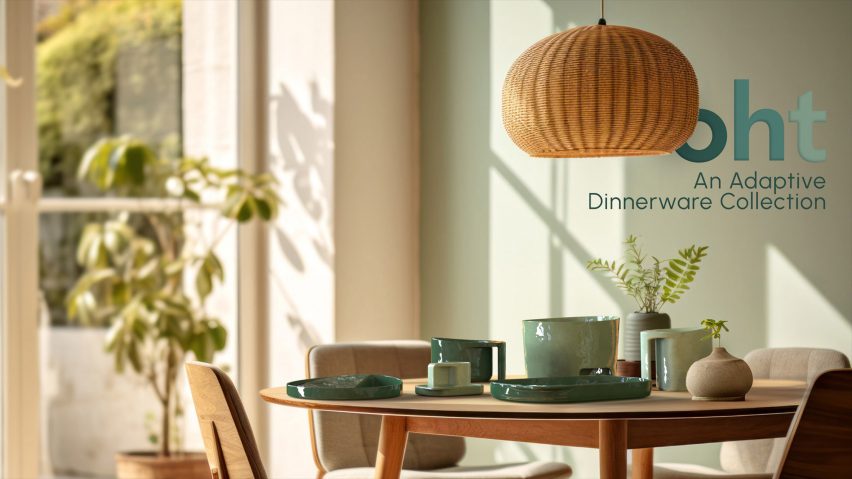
[(693, 471), (529, 470), (803, 364), (351, 440)]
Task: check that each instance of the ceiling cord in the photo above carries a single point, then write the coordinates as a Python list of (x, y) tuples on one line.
[(602, 21)]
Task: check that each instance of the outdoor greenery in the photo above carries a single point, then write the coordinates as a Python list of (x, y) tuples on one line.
[(651, 281), (151, 289), (103, 68), (97, 64), (714, 328)]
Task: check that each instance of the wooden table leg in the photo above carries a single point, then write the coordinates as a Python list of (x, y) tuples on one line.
[(392, 441), (612, 443), (643, 463)]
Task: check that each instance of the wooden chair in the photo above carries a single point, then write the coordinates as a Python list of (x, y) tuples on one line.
[(820, 445), (228, 440)]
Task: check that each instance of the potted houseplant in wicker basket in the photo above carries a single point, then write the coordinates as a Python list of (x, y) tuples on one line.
[(652, 282), (149, 281)]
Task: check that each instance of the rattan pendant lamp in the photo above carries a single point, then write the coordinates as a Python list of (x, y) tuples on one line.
[(600, 90)]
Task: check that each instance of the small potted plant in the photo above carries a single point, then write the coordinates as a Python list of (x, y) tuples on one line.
[(149, 281), (720, 376), (653, 283)]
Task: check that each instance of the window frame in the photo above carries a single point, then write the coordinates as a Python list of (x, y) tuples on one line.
[(22, 204)]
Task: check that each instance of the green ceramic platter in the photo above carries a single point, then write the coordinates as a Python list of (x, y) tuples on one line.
[(467, 390), (347, 387), (571, 389)]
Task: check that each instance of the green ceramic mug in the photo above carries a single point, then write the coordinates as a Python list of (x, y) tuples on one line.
[(477, 352), (674, 350), (563, 347)]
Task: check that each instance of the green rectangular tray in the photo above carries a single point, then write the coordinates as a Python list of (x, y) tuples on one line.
[(571, 389)]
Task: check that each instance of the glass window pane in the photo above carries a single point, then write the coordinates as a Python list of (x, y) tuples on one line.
[(80, 385), (105, 69), (164, 72)]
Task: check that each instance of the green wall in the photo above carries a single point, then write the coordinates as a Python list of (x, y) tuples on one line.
[(505, 237)]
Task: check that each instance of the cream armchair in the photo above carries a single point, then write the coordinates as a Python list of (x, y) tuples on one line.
[(760, 458)]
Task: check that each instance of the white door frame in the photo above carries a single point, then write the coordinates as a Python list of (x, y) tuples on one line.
[(22, 204), (20, 255)]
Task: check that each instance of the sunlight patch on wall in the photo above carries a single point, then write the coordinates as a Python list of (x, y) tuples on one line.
[(798, 315), (301, 250), (539, 241), (513, 30), (597, 233), (519, 268)]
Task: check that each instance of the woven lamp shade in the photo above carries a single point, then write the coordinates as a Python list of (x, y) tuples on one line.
[(600, 90)]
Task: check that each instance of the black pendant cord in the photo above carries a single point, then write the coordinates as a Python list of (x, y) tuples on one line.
[(602, 21)]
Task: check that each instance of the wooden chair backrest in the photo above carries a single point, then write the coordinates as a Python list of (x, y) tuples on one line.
[(228, 440), (820, 444)]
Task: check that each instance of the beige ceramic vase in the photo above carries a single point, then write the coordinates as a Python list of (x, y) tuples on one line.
[(719, 377)]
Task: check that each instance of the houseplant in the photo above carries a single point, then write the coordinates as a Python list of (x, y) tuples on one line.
[(720, 376), (149, 281), (652, 282)]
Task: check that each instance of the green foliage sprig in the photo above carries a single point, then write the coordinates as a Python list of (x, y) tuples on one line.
[(651, 281), (714, 328), (138, 271)]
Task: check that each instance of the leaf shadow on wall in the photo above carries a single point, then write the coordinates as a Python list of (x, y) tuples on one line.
[(302, 167)]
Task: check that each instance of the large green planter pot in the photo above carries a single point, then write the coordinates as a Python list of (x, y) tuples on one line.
[(561, 347)]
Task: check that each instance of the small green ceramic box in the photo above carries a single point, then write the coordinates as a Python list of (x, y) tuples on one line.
[(449, 374)]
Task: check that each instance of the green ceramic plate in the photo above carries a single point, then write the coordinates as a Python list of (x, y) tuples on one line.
[(348, 387), (468, 390), (571, 389)]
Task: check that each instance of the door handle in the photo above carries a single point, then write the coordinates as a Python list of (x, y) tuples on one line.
[(24, 187)]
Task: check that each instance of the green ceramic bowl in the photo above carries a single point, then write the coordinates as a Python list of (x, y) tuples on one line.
[(563, 347), (571, 389), (346, 388)]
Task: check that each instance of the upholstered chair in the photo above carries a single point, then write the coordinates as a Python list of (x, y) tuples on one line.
[(345, 444), (758, 459)]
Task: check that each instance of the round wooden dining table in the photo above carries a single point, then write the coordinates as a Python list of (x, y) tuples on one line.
[(613, 427)]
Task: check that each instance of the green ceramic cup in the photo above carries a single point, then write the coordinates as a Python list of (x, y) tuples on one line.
[(562, 347), (674, 350), (477, 352)]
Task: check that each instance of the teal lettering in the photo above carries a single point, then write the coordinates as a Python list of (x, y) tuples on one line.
[(743, 123), (805, 116), (719, 137)]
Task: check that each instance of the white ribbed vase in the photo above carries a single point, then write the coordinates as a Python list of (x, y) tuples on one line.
[(636, 323)]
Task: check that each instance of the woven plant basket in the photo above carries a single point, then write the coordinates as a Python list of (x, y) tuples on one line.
[(600, 90)]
